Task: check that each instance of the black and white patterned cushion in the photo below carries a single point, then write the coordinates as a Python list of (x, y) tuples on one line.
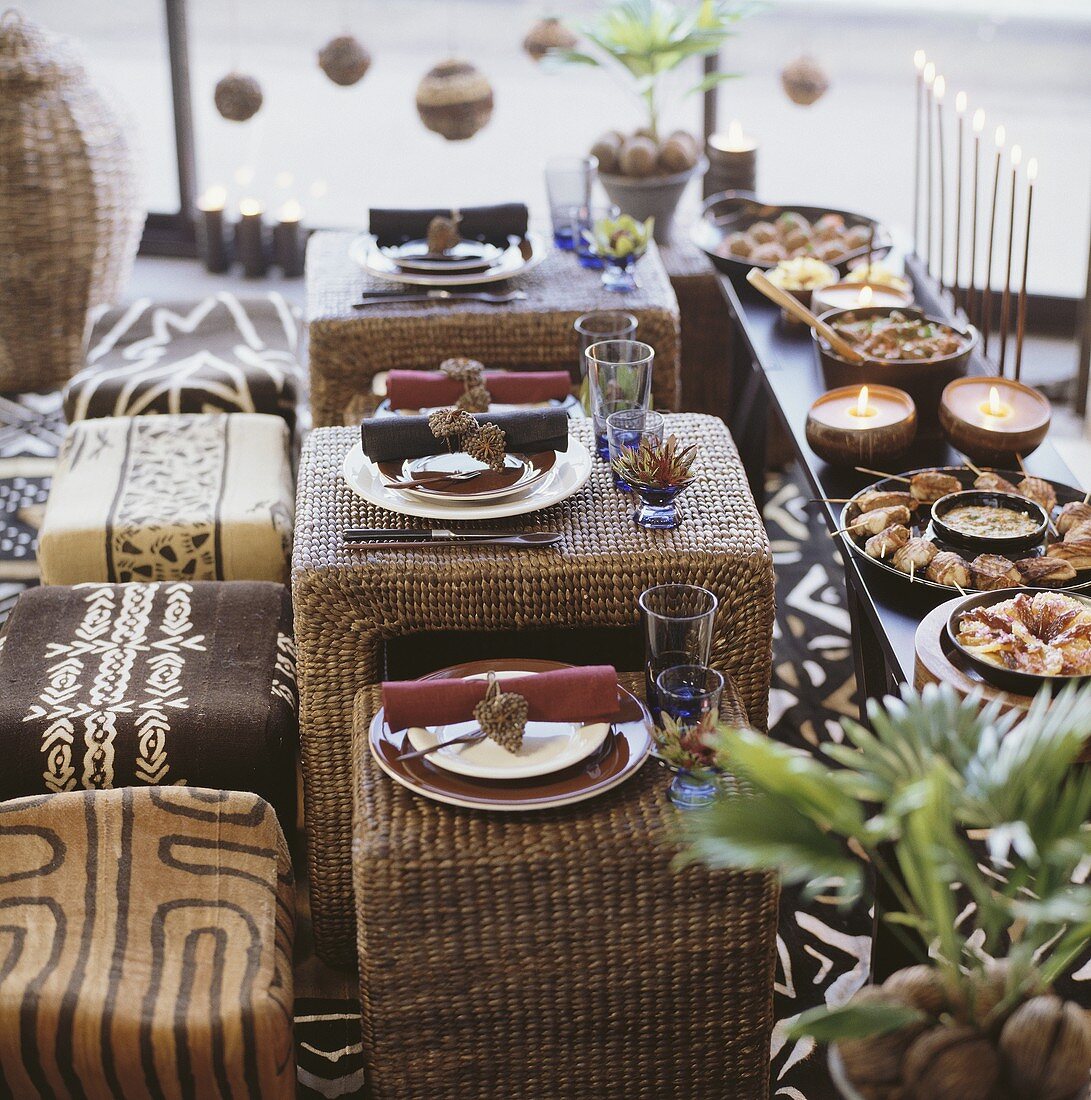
[(219, 354)]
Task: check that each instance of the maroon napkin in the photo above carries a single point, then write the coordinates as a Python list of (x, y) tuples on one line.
[(565, 695), (425, 389)]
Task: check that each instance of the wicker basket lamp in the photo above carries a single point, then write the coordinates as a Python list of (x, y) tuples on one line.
[(348, 347), (69, 218), (554, 954), (349, 603)]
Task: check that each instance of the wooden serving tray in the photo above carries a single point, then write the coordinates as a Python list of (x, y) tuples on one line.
[(940, 662)]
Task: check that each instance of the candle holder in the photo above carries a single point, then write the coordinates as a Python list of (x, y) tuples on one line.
[(862, 425), (732, 162), (994, 420)]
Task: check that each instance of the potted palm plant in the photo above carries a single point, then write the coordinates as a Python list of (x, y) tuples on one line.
[(976, 1019), (646, 42)]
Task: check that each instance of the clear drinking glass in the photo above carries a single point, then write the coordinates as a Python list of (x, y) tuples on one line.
[(627, 429), (568, 186), (619, 376), (678, 622), (690, 695), (602, 324)]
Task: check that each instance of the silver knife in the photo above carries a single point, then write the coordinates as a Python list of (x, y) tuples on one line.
[(489, 297), (407, 539)]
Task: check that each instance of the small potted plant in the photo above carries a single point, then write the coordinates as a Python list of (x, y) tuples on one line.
[(619, 243), (657, 472), (976, 1018), (646, 41)]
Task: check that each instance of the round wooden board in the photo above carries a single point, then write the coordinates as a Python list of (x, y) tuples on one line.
[(938, 663)]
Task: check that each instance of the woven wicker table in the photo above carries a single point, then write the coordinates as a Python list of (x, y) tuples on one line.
[(350, 602), (348, 347), (555, 954)]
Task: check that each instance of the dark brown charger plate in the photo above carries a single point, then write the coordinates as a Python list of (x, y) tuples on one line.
[(1066, 494), (627, 746), (539, 464)]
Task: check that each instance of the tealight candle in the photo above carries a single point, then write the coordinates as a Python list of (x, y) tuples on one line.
[(992, 420), (858, 296), (854, 426), (732, 161)]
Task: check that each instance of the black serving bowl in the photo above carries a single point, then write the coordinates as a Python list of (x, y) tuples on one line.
[(990, 544), (1007, 679), (729, 212), (923, 379)]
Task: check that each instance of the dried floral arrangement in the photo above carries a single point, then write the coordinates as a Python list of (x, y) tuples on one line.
[(474, 397), (685, 746), (655, 465), (461, 432)]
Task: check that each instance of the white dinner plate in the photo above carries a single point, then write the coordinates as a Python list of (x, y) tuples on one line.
[(526, 254), (547, 746), (568, 476)]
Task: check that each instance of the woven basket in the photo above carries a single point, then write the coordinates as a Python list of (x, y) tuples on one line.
[(69, 219)]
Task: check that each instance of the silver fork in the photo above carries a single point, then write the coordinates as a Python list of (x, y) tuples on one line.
[(489, 297), (464, 739)]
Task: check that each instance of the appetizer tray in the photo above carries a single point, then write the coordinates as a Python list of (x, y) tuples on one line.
[(1069, 558)]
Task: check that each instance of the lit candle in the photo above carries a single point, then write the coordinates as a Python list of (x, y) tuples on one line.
[(929, 77), (919, 60), (993, 419), (972, 302), (211, 239), (1005, 301), (1032, 175), (939, 89), (986, 299), (850, 426), (288, 240), (857, 296), (733, 160), (960, 110), (250, 239)]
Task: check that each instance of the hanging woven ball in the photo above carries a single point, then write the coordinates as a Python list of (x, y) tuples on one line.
[(345, 60), (454, 99), (546, 35), (805, 81), (238, 97)]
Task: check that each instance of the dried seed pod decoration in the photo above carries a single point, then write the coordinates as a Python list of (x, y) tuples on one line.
[(952, 1063), (487, 445), (344, 59), (443, 233), (454, 99), (1046, 1044), (804, 81), (548, 34), (462, 369), (475, 398), (502, 715), (238, 97), (452, 425)]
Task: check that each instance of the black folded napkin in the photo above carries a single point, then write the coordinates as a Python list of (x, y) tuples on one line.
[(492, 224), (386, 439)]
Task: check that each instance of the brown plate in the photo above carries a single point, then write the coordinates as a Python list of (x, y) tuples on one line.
[(625, 749), (521, 472)]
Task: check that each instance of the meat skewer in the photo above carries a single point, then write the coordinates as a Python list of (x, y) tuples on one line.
[(992, 482), (1077, 552), (882, 498), (930, 487), (1075, 514), (1046, 571), (1040, 491), (886, 542), (878, 519), (917, 553), (990, 571), (950, 568)]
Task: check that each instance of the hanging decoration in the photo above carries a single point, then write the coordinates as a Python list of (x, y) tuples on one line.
[(548, 34), (344, 59), (805, 81), (454, 99), (238, 97)]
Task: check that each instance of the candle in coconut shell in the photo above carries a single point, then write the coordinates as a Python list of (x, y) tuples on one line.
[(851, 427)]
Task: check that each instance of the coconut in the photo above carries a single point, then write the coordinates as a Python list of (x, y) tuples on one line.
[(454, 99), (237, 97), (920, 987), (804, 81), (344, 60), (548, 34), (952, 1063), (638, 157), (874, 1064), (678, 153), (1046, 1044), (606, 150)]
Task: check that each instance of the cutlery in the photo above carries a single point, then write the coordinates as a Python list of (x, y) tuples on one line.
[(450, 538), (464, 739), (432, 479), (489, 297)]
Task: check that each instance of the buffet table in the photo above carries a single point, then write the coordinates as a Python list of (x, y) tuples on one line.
[(356, 606)]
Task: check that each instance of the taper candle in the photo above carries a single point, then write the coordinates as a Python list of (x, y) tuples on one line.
[(939, 89), (1021, 325), (973, 303), (288, 240), (211, 241), (929, 79), (987, 285), (960, 111), (250, 239), (919, 60), (1005, 298)]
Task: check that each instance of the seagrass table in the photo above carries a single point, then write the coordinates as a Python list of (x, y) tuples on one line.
[(353, 605), (555, 955), (348, 347)]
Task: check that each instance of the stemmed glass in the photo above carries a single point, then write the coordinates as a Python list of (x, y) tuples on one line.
[(619, 376), (689, 700)]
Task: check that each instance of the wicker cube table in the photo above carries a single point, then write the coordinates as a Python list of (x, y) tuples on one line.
[(554, 955), (350, 601), (348, 347)]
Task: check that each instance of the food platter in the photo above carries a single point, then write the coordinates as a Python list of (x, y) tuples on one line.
[(920, 527), (732, 212)]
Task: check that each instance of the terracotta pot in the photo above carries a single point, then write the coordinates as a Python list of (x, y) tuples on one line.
[(651, 196)]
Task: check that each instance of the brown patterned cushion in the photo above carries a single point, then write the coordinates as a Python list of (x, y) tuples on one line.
[(187, 497), (146, 939), (113, 685), (217, 354)]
